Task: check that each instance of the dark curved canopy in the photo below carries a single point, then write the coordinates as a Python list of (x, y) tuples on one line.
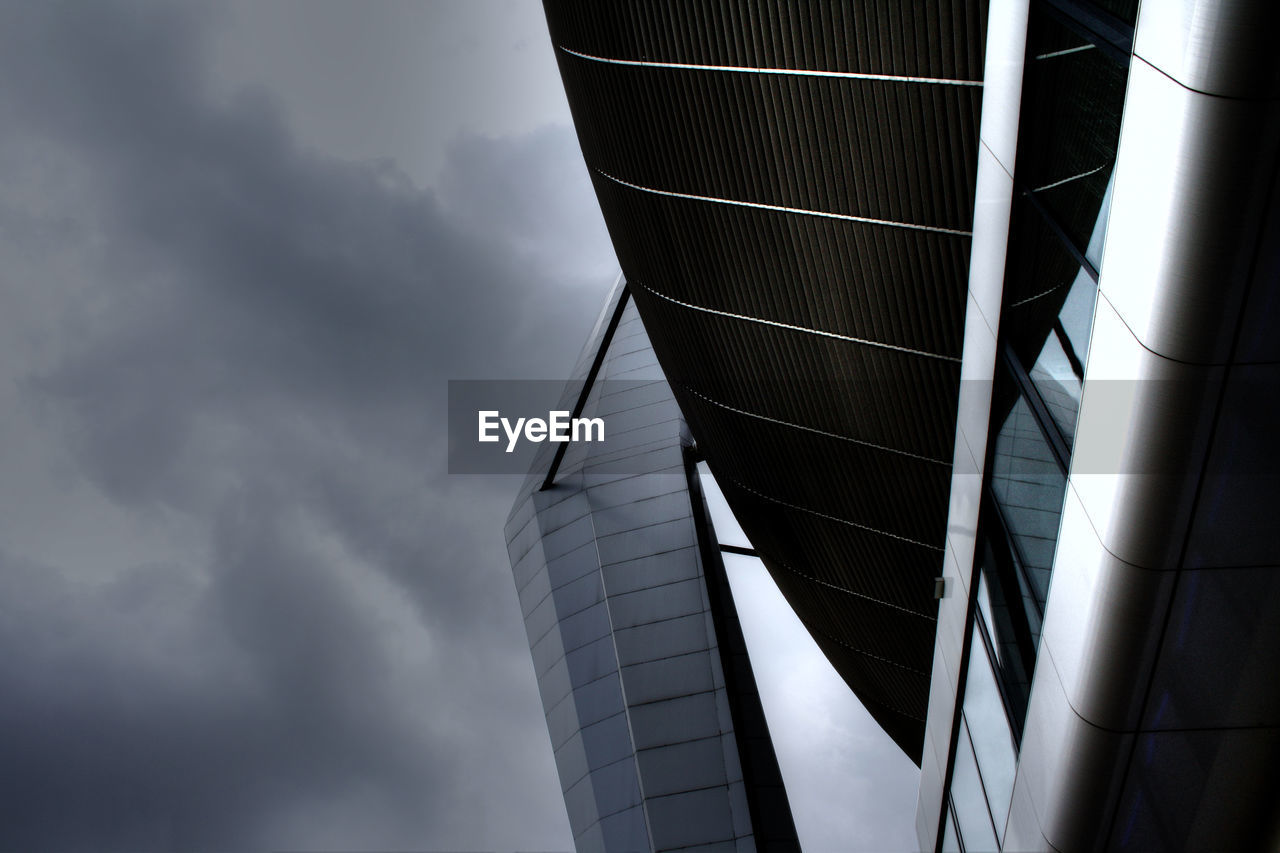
[(789, 188)]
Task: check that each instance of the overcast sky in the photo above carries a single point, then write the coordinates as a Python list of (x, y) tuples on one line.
[(243, 247)]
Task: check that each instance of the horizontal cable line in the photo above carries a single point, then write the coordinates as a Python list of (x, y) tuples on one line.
[(1041, 295), (1054, 53), (836, 518), (797, 72), (847, 217), (812, 626), (1070, 179), (817, 431), (847, 591), (794, 328)]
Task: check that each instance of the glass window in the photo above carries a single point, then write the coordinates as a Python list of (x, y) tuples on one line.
[(1012, 631), (1072, 100), (972, 816), (950, 841), (990, 734), (1073, 95), (1093, 251), (1048, 314), (1028, 486), (1055, 376), (1125, 10)]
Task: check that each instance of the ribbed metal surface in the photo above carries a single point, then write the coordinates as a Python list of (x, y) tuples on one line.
[(942, 38), (897, 286), (798, 247), (717, 133)]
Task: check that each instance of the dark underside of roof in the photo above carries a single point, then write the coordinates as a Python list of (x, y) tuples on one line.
[(798, 248)]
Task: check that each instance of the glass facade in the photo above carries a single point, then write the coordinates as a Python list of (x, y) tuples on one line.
[(1073, 92)]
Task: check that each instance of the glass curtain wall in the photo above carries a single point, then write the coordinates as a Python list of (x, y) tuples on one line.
[(1073, 93)]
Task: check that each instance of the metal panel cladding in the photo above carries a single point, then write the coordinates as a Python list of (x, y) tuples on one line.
[(789, 188), (656, 724)]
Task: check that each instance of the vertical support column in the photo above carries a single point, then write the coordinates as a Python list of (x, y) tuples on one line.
[(998, 135)]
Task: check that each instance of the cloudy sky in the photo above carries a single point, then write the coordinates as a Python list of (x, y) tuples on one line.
[(243, 248)]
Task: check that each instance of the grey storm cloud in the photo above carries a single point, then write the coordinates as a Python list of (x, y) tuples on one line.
[(236, 347)]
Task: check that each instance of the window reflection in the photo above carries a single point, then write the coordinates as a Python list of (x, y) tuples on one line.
[(1093, 251), (1028, 487), (1050, 301), (1073, 95), (950, 842), (1059, 377), (972, 816), (1058, 369), (1125, 10), (990, 734), (1012, 632)]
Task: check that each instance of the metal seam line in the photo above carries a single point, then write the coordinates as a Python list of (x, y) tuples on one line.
[(869, 444), (794, 328), (836, 518), (847, 217), (798, 72)]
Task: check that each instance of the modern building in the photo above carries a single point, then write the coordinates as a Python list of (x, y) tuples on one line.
[(659, 737), (1105, 673), (968, 310), (790, 194)]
